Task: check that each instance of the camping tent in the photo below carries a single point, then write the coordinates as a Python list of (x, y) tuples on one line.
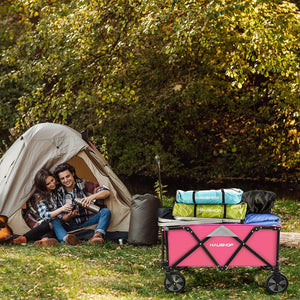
[(47, 145)]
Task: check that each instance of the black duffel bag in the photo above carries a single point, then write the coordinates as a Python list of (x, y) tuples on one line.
[(259, 201)]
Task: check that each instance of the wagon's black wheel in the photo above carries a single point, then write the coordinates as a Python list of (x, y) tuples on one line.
[(267, 268), (174, 282), (276, 283)]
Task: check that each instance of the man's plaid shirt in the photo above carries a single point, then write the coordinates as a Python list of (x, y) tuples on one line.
[(79, 191)]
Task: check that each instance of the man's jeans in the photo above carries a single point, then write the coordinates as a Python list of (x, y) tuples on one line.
[(102, 218)]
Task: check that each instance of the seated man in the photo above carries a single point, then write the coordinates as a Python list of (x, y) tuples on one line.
[(74, 187)]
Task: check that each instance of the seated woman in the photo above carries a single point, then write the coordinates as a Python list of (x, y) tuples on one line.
[(45, 201)]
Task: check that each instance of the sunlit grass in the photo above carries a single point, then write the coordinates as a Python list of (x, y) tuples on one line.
[(289, 213), (133, 272)]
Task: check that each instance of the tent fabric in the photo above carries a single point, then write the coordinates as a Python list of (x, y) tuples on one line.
[(46, 145)]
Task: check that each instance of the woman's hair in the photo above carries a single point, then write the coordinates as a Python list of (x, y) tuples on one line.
[(40, 185)]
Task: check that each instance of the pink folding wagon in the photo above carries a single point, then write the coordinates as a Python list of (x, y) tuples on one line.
[(221, 246)]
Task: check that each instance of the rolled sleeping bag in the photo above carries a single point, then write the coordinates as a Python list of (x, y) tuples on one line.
[(262, 219), (224, 211), (143, 225), (221, 196)]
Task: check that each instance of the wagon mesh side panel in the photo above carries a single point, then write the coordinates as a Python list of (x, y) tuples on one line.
[(242, 246)]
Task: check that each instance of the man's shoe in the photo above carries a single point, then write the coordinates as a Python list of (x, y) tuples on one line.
[(71, 239), (97, 239), (20, 240), (46, 242)]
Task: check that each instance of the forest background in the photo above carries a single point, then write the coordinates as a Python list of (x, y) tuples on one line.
[(212, 87)]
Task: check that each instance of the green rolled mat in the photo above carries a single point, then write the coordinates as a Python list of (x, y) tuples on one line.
[(225, 211)]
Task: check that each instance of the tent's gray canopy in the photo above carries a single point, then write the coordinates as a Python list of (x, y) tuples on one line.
[(46, 145)]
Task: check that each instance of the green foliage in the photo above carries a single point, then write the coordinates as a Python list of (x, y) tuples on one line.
[(213, 88), (9, 93), (161, 191)]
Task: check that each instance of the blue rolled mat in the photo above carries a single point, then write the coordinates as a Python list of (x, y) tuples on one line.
[(222, 196), (261, 219)]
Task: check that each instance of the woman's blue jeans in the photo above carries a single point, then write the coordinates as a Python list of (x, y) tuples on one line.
[(102, 219)]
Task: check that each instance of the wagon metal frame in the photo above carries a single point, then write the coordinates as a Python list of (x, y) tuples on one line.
[(174, 281)]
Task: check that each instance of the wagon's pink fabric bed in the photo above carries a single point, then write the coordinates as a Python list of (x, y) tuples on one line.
[(221, 246)]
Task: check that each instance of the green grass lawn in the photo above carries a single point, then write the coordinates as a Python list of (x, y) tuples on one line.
[(134, 272)]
